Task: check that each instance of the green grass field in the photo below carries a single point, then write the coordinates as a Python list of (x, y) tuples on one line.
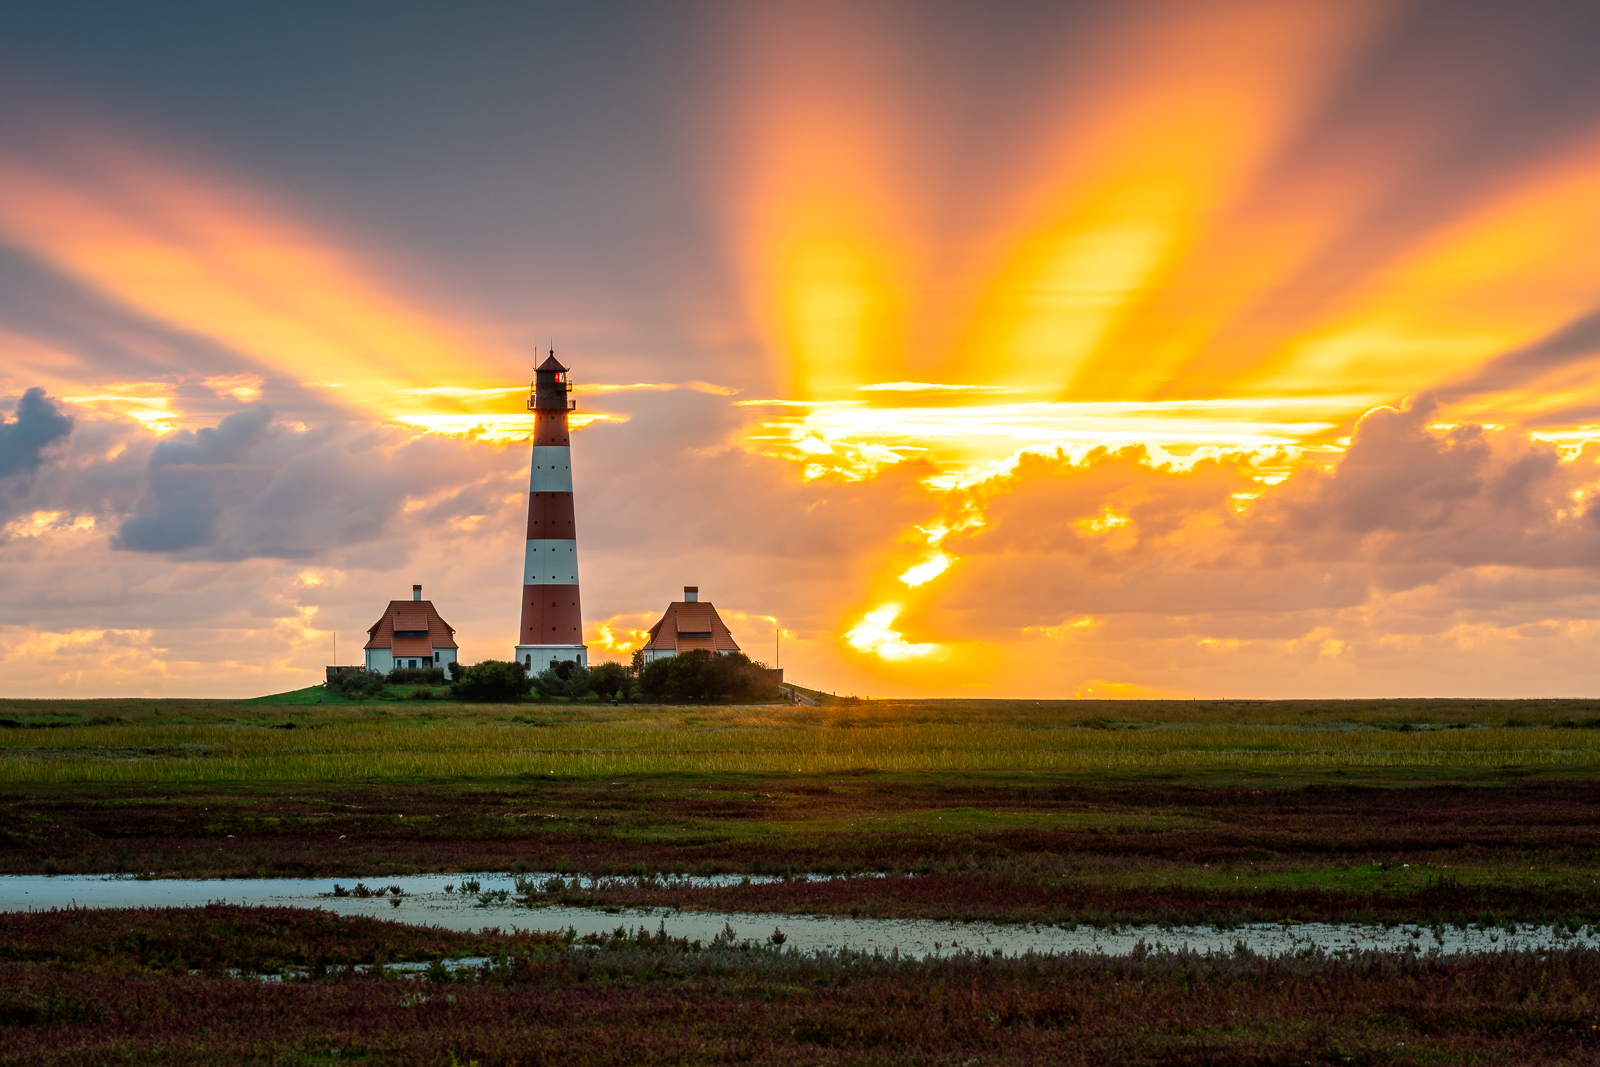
[(290, 739)]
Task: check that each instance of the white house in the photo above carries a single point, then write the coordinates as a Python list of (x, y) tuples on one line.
[(689, 624), (411, 635)]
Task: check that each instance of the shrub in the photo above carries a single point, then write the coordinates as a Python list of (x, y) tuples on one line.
[(358, 684), (493, 679), (609, 680), (419, 676), (699, 675), (568, 678)]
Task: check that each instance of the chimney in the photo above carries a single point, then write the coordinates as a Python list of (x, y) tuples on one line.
[(416, 592), (691, 594)]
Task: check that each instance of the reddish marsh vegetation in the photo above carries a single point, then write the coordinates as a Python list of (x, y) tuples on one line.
[(1007, 897), (833, 823), (219, 938), (101, 988)]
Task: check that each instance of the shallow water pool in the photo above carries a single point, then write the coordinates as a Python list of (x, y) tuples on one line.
[(424, 901)]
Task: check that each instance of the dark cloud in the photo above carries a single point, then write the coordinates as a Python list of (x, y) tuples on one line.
[(1407, 496), (192, 476), (37, 425), (253, 488), (1396, 475)]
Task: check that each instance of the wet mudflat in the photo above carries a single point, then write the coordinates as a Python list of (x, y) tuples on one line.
[(477, 903)]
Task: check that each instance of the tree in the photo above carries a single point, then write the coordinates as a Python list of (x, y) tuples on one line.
[(569, 678), (493, 679), (701, 676), (609, 680)]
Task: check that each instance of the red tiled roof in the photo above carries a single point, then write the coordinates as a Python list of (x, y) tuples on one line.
[(412, 615), (689, 644), (685, 617)]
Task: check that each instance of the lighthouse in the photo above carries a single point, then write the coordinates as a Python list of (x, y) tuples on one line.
[(552, 616)]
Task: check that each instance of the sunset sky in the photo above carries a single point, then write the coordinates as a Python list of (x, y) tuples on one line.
[(1121, 348)]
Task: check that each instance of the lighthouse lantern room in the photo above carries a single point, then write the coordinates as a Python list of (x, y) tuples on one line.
[(552, 613)]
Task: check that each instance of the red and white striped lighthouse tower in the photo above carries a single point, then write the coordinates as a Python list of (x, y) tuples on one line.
[(552, 615)]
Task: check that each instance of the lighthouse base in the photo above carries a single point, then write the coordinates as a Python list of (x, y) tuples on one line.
[(542, 657)]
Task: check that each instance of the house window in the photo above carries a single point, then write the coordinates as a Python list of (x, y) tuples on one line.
[(413, 664), (436, 657)]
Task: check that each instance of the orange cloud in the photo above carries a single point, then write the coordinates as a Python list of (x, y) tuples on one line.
[(181, 244)]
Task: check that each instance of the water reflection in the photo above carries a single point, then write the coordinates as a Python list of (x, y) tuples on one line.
[(483, 901)]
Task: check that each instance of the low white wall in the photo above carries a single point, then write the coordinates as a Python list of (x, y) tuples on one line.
[(537, 657), (383, 660), (653, 654)]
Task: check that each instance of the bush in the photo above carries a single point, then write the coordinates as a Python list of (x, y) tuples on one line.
[(419, 676), (700, 676), (610, 680), (357, 685), (568, 678), (493, 679)]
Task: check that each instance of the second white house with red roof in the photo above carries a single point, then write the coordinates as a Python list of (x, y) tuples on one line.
[(689, 624)]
